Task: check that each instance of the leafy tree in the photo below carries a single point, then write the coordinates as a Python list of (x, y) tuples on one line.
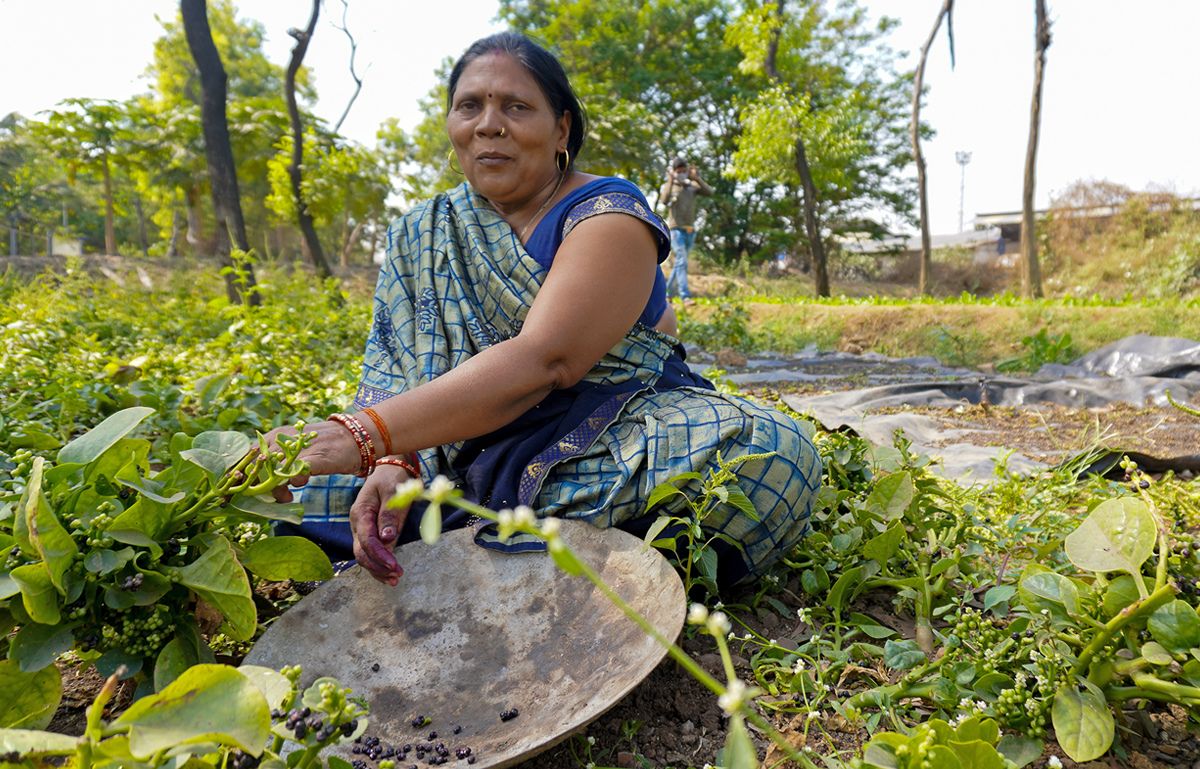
[(345, 187), (658, 80), (93, 134), (828, 117), (240, 45), (420, 160), (33, 188)]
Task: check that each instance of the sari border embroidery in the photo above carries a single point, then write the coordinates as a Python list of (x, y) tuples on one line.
[(614, 202)]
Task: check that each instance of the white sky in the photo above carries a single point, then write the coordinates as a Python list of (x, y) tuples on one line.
[(1119, 100)]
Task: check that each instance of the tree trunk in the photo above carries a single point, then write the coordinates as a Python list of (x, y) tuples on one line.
[(222, 173), (315, 253), (191, 205), (1031, 271), (110, 233), (137, 204), (349, 244), (918, 158), (812, 224), (173, 243)]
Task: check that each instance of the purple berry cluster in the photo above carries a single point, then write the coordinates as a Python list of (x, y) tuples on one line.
[(301, 721), (508, 715)]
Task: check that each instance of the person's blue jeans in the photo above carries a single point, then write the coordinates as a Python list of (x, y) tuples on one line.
[(677, 281)]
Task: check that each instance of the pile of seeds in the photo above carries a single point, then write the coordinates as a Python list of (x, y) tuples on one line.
[(432, 753)]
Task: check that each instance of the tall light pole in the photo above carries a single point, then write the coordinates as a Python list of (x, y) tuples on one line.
[(962, 158)]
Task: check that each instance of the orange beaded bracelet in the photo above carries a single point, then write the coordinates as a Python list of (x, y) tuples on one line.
[(366, 447)]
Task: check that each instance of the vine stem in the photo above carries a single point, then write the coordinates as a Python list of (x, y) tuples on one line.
[(1134, 611)]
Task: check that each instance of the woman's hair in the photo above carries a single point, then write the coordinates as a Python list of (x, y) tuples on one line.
[(546, 70)]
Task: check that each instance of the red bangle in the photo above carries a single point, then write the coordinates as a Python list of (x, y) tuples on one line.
[(366, 447), (414, 472), (383, 430)]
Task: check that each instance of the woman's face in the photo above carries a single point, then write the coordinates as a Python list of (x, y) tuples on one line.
[(497, 94)]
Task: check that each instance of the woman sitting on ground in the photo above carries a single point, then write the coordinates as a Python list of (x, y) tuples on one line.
[(523, 346)]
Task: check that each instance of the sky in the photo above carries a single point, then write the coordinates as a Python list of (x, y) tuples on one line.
[(1118, 100)]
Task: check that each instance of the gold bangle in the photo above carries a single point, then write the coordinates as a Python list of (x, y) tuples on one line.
[(414, 472)]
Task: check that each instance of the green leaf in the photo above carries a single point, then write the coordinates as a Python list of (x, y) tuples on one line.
[(661, 492), (8, 586), (738, 499), (207, 703), (1020, 750), (29, 742), (891, 496), (280, 558), (104, 561), (739, 752), (38, 593), (851, 580), (219, 579), (707, 562), (30, 500), (211, 463), (815, 581), (211, 387), (1118, 535), (884, 546), (870, 626), (111, 661), (1155, 654), (176, 657), (975, 754), (1123, 592), (656, 528), (997, 595), (1052, 592), (145, 516), (902, 655), (274, 686), (36, 646), (989, 686), (231, 447), (28, 699), (1083, 724), (431, 524), (32, 437), (89, 446), (1175, 625), (267, 507), (51, 540)]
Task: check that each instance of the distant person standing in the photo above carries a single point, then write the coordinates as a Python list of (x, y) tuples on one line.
[(679, 196)]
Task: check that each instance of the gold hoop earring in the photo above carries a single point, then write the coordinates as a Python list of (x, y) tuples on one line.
[(450, 162), (562, 169)]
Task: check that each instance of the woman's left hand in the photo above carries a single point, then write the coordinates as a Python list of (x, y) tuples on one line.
[(375, 526), (332, 451)]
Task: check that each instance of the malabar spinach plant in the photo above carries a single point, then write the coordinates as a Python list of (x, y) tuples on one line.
[(112, 557)]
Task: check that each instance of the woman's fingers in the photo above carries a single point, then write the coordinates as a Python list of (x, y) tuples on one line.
[(376, 528)]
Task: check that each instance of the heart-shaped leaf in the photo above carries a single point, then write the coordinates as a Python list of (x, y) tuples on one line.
[(1082, 723), (1119, 535)]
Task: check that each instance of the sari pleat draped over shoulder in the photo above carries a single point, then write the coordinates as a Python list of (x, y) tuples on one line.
[(456, 281)]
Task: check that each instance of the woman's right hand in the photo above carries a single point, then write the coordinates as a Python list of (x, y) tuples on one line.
[(375, 527), (333, 450)]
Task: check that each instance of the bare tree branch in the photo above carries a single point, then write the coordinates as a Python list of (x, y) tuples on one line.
[(358, 81), (1031, 272), (923, 284)]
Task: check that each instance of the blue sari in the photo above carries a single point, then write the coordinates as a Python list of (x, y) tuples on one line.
[(456, 281)]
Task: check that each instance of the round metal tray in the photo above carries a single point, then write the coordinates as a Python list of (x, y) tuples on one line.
[(470, 632)]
